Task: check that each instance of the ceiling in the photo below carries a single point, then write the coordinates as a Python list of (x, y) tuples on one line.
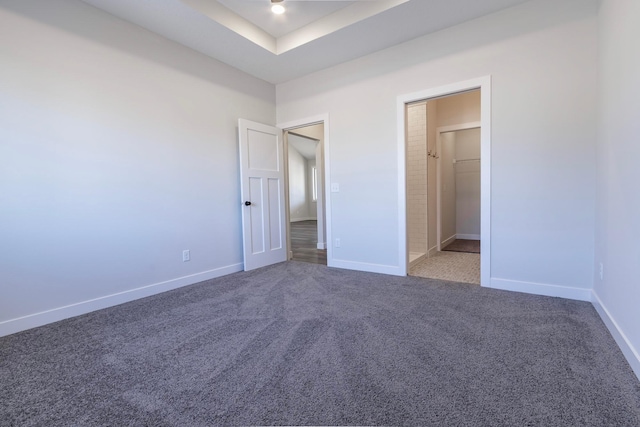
[(299, 13), (305, 146), (310, 36)]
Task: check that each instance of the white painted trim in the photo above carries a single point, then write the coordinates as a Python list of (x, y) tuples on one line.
[(446, 241), (368, 267), (468, 236), (322, 245), (438, 191), (484, 84), (287, 195), (567, 292), (417, 260), (39, 319), (324, 119), (628, 350), (485, 181), (401, 123), (461, 126), (433, 251)]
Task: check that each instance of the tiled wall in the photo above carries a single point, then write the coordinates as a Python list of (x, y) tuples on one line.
[(417, 177)]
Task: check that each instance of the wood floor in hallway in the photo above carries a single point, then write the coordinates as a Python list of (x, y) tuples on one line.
[(304, 243)]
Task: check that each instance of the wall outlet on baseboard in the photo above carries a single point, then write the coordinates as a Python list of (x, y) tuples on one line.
[(338, 243), (601, 271), (186, 255)]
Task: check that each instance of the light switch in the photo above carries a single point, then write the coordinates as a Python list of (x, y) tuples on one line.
[(335, 187)]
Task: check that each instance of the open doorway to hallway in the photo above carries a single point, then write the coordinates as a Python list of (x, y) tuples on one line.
[(443, 187), (307, 218)]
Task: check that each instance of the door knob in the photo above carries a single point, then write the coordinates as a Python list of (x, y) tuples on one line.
[(247, 203)]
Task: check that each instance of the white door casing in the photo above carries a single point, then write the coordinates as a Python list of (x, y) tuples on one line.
[(484, 84), (262, 194)]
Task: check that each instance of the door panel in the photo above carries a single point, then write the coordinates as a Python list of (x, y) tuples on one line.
[(262, 185), (256, 222), (263, 151), (275, 213)]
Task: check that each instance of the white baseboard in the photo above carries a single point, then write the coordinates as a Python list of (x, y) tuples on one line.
[(432, 251), (12, 326), (468, 236), (579, 294), (448, 240), (303, 219), (629, 352), (322, 245), (417, 260), (364, 266)]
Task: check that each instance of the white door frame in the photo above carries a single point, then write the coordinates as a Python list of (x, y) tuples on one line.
[(484, 84), (291, 125), (439, 132)]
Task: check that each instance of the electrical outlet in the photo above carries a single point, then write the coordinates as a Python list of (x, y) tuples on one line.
[(186, 255), (338, 243), (601, 271)]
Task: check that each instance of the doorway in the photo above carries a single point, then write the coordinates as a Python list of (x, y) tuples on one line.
[(443, 187), (265, 189), (445, 169), (458, 191), (306, 206)]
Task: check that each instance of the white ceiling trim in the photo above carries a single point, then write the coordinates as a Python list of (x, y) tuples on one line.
[(324, 26), (338, 20), (234, 22), (178, 21)]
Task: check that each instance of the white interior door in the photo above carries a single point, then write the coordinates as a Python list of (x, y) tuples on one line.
[(262, 188)]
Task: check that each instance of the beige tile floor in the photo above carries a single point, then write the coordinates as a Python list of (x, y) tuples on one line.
[(454, 266)]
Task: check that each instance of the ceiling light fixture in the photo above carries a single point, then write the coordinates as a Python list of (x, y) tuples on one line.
[(276, 7)]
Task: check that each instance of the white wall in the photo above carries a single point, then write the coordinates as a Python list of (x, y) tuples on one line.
[(118, 149), (618, 208), (298, 185), (542, 57)]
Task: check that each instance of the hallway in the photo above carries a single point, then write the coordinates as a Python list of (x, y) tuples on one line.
[(304, 240)]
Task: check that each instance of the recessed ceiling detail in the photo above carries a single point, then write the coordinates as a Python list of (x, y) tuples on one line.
[(318, 37), (298, 13), (304, 22)]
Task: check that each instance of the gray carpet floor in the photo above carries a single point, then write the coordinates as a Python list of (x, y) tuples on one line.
[(303, 344)]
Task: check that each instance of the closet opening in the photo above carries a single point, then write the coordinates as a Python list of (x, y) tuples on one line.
[(443, 168)]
